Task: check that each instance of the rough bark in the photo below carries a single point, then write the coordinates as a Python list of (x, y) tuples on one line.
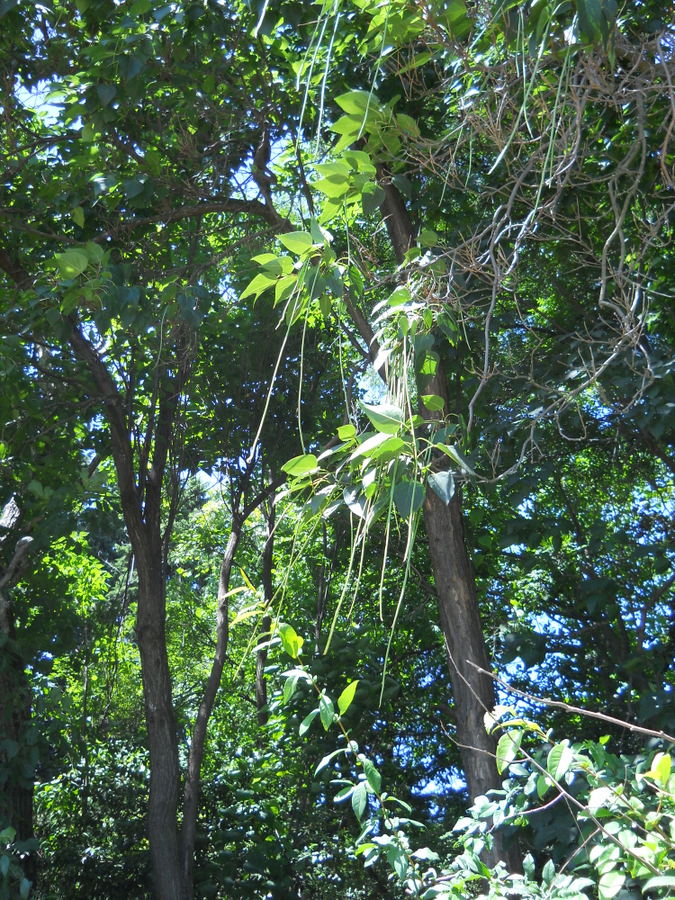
[(161, 724)]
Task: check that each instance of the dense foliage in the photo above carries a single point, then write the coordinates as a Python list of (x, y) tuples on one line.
[(336, 449)]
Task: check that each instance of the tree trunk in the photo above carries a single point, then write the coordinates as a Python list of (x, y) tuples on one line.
[(16, 799), (161, 724), (16, 701), (464, 643)]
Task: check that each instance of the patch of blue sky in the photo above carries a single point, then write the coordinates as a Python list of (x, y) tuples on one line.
[(41, 99)]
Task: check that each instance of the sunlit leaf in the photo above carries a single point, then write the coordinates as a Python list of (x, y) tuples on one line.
[(385, 416), (301, 465), (507, 749), (297, 241), (326, 711), (559, 760), (290, 640), (358, 103), (346, 697), (307, 721), (360, 799)]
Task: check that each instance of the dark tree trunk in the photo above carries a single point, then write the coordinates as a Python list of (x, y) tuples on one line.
[(161, 725), (463, 637), (16, 799), (16, 702)]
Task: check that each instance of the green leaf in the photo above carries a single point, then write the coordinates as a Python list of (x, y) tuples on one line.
[(346, 432), (433, 402), (377, 445), (338, 169), (543, 785), (297, 241), (358, 103), (426, 854), (408, 125), (591, 19), (419, 59), (456, 19), (289, 688), (327, 758), (399, 296), (326, 711), (95, 252), (385, 417), (106, 93), (373, 777), (443, 485), (334, 186), (659, 881), (397, 859), (346, 697), (290, 640), (455, 456), (325, 305), (348, 126), (599, 798), (307, 721), (301, 465), (72, 263), (258, 285), (559, 760), (284, 287), (408, 497), (428, 238), (548, 873), (507, 749), (77, 216), (660, 769), (344, 794), (275, 265), (610, 884), (130, 66), (360, 799), (404, 184), (355, 500), (133, 187), (372, 197), (429, 363)]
